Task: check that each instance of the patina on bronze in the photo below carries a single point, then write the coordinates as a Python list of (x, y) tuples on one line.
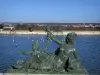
[(65, 60)]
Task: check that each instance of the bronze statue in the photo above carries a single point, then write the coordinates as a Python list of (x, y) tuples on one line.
[(60, 61), (66, 51)]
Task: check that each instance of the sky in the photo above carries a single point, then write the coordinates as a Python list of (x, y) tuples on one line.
[(55, 11)]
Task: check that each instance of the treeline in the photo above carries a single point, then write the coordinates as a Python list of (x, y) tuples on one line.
[(34, 27), (55, 28)]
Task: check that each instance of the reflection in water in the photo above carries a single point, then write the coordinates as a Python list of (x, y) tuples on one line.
[(13, 39), (32, 40), (14, 42), (28, 37)]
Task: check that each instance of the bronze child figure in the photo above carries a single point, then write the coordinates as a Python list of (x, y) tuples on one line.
[(66, 50)]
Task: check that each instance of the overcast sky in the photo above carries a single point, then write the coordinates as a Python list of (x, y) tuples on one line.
[(50, 11)]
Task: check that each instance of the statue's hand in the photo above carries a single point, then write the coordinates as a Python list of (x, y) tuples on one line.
[(47, 29)]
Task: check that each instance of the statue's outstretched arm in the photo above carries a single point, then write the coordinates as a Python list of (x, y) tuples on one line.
[(51, 36), (55, 40), (26, 52)]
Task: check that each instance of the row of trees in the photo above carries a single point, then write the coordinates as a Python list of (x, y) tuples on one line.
[(52, 27)]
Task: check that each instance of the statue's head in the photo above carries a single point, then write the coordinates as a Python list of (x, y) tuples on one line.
[(71, 37), (35, 45)]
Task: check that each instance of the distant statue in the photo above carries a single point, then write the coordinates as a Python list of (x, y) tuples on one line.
[(30, 28)]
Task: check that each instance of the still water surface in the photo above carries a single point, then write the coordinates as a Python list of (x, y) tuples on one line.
[(88, 48)]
